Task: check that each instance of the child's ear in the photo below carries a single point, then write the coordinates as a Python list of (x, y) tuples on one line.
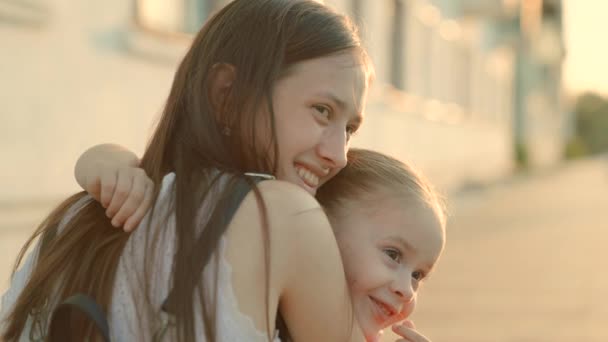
[(220, 82)]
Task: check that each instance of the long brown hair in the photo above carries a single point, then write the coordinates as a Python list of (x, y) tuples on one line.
[(261, 39)]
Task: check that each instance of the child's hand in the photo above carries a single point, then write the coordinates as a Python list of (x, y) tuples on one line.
[(125, 191), (110, 173), (407, 330)]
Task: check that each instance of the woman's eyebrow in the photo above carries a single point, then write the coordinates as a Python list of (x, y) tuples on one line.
[(341, 104), (334, 98)]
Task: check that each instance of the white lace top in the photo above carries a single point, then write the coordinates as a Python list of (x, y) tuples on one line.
[(127, 320)]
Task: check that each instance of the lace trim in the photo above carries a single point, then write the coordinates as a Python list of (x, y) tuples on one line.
[(227, 290)]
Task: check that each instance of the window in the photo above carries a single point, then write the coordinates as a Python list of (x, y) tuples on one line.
[(33, 13), (172, 17), (397, 74), (163, 29)]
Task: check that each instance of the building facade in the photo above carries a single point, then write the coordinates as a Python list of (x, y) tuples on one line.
[(456, 90)]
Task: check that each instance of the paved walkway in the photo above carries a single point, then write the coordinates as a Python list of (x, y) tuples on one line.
[(525, 261)]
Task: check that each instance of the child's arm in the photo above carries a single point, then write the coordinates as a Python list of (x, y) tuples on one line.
[(110, 173)]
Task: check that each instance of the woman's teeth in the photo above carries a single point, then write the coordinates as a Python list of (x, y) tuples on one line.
[(309, 177)]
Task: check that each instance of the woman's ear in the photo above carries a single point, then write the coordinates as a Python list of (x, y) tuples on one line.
[(221, 78)]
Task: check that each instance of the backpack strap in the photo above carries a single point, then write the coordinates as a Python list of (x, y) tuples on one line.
[(241, 189), (86, 305)]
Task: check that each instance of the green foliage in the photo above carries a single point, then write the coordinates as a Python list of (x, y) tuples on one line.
[(521, 156), (575, 148), (591, 112)]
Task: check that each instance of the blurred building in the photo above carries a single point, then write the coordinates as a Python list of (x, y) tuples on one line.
[(541, 116), (532, 31), (493, 66), (463, 86)]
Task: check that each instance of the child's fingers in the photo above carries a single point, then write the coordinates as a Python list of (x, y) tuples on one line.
[(401, 316), (132, 202), (408, 323), (93, 187), (408, 333), (121, 192), (108, 179), (134, 220)]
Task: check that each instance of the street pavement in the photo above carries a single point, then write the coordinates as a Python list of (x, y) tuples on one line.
[(525, 259)]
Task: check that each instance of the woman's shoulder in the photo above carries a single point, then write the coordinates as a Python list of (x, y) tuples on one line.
[(306, 271), (293, 217), (296, 223), (292, 212), (285, 222), (287, 196)]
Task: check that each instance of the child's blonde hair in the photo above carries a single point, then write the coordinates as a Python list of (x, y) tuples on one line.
[(368, 172)]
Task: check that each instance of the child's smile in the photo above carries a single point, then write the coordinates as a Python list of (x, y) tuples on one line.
[(387, 248)]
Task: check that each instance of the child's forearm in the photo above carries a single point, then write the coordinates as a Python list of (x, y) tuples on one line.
[(111, 175), (97, 155)]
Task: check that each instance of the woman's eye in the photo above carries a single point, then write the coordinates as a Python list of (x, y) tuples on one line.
[(324, 111), (395, 255), (351, 130)]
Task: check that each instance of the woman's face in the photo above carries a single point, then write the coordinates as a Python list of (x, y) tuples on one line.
[(318, 105)]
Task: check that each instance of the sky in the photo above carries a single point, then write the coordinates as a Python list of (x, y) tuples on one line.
[(586, 38)]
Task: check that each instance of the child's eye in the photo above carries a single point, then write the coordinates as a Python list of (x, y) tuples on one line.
[(418, 275), (394, 254)]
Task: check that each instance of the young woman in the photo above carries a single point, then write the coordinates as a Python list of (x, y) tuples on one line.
[(269, 86), (388, 220)]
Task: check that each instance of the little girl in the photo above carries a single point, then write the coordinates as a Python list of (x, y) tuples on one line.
[(388, 220)]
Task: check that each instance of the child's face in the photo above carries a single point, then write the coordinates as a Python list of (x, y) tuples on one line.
[(387, 251)]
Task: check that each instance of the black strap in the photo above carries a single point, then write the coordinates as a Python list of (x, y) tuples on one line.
[(89, 307), (241, 189)]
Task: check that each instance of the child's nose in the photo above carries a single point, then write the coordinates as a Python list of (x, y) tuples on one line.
[(403, 289)]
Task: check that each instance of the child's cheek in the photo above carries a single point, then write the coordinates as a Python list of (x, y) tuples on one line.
[(408, 309)]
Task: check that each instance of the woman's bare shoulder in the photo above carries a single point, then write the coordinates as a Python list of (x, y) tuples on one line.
[(296, 228), (306, 273), (287, 196), (290, 212)]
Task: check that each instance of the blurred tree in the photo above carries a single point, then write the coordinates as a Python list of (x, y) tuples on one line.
[(591, 112)]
